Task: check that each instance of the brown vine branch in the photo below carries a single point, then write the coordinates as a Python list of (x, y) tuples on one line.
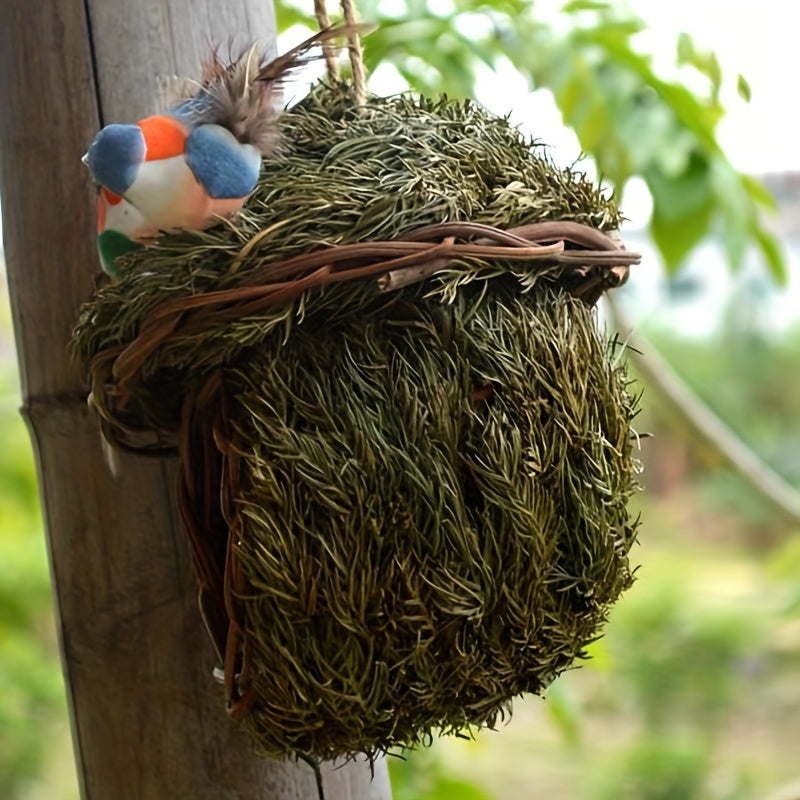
[(281, 282)]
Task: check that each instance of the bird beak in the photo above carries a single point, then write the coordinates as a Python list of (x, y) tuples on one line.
[(85, 160)]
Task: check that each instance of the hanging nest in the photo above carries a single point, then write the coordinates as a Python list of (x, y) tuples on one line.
[(406, 450)]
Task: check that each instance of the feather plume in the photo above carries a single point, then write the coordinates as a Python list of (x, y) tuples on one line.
[(306, 52), (245, 96)]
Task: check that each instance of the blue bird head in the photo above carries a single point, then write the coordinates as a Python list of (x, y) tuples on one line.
[(115, 155)]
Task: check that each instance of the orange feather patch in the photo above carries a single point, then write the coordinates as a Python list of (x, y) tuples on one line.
[(164, 137), (112, 198)]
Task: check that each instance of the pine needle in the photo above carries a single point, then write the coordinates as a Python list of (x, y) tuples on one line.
[(429, 511)]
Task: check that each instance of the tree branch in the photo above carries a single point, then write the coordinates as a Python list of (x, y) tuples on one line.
[(704, 424)]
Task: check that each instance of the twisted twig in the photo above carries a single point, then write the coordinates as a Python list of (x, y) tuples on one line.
[(328, 50), (283, 281)]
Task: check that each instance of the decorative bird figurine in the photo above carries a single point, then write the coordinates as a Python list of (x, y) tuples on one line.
[(199, 161)]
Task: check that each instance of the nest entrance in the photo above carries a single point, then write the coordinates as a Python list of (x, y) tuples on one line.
[(406, 449)]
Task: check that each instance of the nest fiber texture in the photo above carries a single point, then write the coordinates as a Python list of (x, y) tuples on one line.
[(425, 490), (344, 177), (419, 554)]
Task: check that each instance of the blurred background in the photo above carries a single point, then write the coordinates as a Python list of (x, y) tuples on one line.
[(684, 110)]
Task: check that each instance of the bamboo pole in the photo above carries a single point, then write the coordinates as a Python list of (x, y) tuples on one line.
[(148, 722)]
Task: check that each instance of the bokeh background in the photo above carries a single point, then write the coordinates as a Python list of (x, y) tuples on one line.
[(694, 691)]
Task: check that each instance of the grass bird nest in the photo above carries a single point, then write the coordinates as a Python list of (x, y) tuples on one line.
[(406, 448)]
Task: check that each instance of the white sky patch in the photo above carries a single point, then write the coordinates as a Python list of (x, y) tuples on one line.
[(757, 40)]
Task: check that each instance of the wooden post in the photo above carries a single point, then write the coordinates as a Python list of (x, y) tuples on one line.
[(148, 721)]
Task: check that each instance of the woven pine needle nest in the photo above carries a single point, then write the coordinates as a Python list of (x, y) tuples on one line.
[(406, 448)]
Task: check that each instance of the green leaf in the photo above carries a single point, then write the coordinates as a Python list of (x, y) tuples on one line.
[(675, 237), (683, 192), (585, 5), (686, 49), (287, 15), (743, 87), (452, 789), (760, 194), (483, 51), (773, 255), (704, 62), (455, 71), (696, 115), (737, 207), (713, 70), (564, 712), (614, 33), (683, 207)]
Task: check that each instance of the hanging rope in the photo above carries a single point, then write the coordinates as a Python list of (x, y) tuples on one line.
[(353, 45), (356, 53), (328, 50)]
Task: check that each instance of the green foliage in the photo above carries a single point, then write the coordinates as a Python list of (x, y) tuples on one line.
[(630, 119), (679, 663), (673, 665), (565, 713), (426, 778), (655, 768), (32, 699), (652, 714), (676, 667), (748, 380), (784, 567)]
